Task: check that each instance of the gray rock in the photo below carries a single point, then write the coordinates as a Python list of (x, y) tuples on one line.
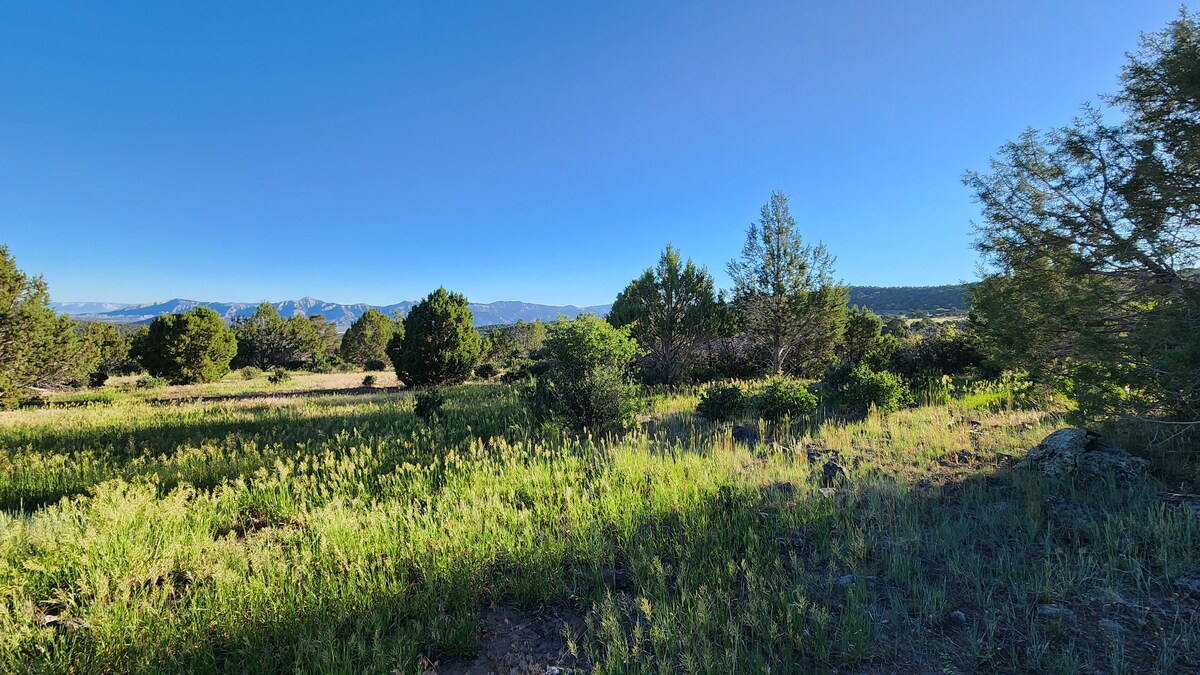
[(745, 433), (1112, 626), (1057, 612), (1065, 513), (1189, 582), (1079, 451), (958, 616), (834, 473), (847, 580)]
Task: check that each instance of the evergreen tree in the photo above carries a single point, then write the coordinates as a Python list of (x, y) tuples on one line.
[(112, 351), (863, 330), (1093, 235), (39, 349), (785, 293), (669, 310), (262, 339), (367, 338), (439, 343), (188, 348)]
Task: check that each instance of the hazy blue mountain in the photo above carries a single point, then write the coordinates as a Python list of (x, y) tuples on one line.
[(341, 314), (74, 308), (883, 300)]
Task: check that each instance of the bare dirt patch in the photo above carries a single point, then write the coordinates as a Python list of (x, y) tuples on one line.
[(516, 642)]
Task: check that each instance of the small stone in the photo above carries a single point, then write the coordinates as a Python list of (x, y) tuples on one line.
[(828, 492), (833, 473), (1112, 626), (745, 433), (958, 616), (1066, 513), (1189, 583), (847, 580), (1053, 612), (68, 623)]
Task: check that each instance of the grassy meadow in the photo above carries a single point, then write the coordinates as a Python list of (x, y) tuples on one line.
[(319, 526)]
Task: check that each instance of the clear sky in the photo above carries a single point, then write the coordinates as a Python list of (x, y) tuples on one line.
[(538, 151)]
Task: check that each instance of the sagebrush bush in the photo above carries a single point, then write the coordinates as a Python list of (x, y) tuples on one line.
[(722, 402), (279, 376), (374, 364), (151, 382), (884, 390), (485, 371), (369, 381), (429, 404), (251, 373), (784, 398)]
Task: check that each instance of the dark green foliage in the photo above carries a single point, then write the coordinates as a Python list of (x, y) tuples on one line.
[(374, 365), (262, 339), (670, 310), (946, 351), (486, 371), (366, 340), (112, 352), (788, 302), (429, 403), (583, 381), (279, 376), (721, 403), (369, 381), (188, 348), (266, 340), (783, 398), (863, 330), (864, 388), (439, 343), (312, 343), (39, 349), (1093, 235), (907, 300), (251, 373)]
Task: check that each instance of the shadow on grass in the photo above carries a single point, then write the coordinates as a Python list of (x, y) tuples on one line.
[(379, 392), (880, 574)]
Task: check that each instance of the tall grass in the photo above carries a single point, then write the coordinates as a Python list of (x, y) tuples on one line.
[(344, 534)]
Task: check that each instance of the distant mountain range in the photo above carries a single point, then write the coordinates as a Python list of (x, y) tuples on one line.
[(906, 300), (486, 314)]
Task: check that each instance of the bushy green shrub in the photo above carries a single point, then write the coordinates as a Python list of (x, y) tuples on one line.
[(375, 365), (485, 371), (784, 398), (583, 381), (884, 390), (722, 402), (251, 373), (188, 348), (429, 404), (151, 382), (279, 376), (369, 381)]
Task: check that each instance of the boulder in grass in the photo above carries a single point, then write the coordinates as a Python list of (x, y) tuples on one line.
[(1079, 451)]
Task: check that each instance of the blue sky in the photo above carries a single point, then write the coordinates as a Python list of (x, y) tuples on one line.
[(540, 151)]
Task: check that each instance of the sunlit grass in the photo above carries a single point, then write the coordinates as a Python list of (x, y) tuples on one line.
[(339, 533)]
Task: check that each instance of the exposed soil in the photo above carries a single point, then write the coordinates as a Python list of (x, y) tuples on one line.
[(515, 642)]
